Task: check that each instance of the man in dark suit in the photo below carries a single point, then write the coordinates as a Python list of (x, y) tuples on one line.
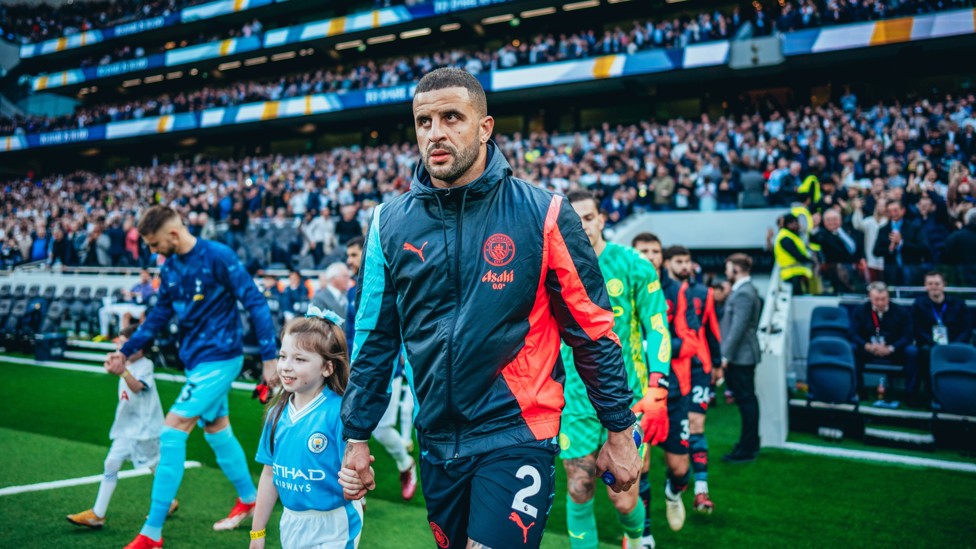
[(740, 353), (903, 246), (937, 319), (842, 250), (881, 333)]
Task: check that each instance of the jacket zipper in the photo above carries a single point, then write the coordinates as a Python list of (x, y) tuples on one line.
[(450, 335)]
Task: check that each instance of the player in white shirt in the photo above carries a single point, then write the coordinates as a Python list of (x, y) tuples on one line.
[(301, 445), (134, 434)]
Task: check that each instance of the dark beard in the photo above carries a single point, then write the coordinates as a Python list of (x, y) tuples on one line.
[(463, 160)]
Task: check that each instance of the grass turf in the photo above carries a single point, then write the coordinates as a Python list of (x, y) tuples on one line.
[(56, 423)]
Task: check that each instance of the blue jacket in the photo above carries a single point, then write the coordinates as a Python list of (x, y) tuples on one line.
[(202, 288)]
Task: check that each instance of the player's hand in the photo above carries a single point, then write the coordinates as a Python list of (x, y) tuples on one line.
[(270, 373), (115, 363), (351, 484), (357, 459), (620, 457), (718, 375), (257, 543), (654, 407)]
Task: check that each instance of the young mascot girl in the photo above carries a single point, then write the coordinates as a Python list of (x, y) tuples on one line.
[(301, 445)]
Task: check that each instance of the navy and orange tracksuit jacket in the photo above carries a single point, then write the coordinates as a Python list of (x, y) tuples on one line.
[(479, 283), (709, 336), (684, 326)]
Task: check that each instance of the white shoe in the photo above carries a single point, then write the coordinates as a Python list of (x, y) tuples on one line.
[(647, 542), (675, 511)]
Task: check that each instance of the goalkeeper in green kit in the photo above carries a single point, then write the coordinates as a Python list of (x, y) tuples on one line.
[(640, 313)]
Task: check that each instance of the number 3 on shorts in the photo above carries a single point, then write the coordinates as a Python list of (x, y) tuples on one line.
[(519, 503), (187, 392)]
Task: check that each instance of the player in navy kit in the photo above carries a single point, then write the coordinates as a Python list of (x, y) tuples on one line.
[(708, 355), (201, 283)]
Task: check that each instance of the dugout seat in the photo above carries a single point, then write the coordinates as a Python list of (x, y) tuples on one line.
[(54, 318), (19, 292), (67, 301), (49, 293), (829, 321), (34, 291), (831, 372), (5, 291), (953, 369), (11, 329), (6, 304)]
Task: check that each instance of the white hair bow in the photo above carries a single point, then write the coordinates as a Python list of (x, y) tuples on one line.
[(326, 314)]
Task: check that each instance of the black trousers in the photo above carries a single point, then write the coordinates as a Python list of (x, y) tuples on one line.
[(742, 382)]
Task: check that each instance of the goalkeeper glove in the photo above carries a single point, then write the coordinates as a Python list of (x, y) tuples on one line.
[(262, 392), (653, 410)]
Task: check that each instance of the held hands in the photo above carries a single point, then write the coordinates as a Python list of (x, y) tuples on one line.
[(115, 363), (356, 476), (620, 457), (654, 407)]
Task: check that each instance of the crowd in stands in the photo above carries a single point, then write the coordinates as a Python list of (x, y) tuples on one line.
[(860, 170), (543, 48), (127, 53), (28, 22), (38, 21)]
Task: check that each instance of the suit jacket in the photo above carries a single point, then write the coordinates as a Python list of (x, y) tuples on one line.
[(833, 249), (955, 317), (895, 326), (739, 324), (914, 249), (323, 299)]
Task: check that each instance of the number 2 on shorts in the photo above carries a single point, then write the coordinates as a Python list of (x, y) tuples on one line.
[(519, 503)]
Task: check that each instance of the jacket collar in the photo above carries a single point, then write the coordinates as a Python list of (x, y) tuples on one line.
[(496, 169)]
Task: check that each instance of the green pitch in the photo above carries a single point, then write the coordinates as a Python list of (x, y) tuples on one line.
[(55, 426)]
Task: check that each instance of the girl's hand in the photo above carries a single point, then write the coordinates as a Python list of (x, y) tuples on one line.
[(257, 543), (352, 485)]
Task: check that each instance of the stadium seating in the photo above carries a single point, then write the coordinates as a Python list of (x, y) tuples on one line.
[(953, 369), (831, 373), (829, 321)]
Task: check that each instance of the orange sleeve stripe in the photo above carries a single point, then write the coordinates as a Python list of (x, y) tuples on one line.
[(594, 320)]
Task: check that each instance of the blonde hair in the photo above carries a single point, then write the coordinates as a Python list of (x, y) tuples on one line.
[(324, 338)]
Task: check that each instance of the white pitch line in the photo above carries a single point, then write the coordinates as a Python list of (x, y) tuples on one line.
[(94, 479), (242, 385), (864, 455)]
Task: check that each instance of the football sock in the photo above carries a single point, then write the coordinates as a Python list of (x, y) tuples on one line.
[(230, 457), (169, 475), (645, 496), (676, 485), (699, 461), (106, 487), (581, 524), (406, 414), (633, 522)]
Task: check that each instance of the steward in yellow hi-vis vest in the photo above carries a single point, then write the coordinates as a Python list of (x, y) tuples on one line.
[(792, 256)]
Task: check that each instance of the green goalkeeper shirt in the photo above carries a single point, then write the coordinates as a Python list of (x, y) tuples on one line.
[(640, 313)]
